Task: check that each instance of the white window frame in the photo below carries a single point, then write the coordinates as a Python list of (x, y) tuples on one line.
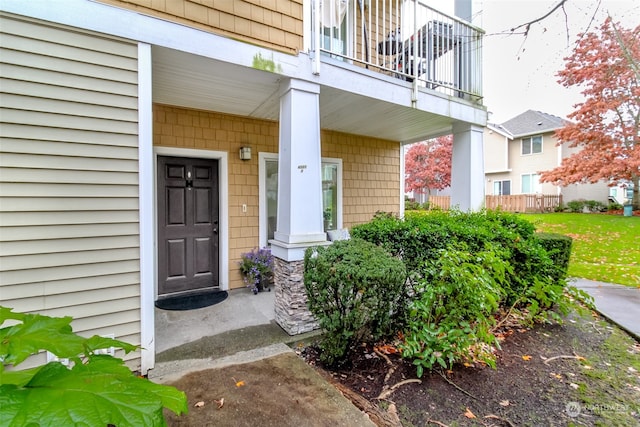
[(536, 186), (349, 21), (531, 138), (502, 181), (263, 157)]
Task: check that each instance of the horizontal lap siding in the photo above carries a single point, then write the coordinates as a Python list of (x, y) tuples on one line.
[(69, 213)]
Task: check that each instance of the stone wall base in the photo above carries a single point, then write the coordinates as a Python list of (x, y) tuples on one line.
[(291, 309)]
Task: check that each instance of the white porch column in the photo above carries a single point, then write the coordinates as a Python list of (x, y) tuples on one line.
[(300, 222), (467, 167), (299, 172), (463, 9)]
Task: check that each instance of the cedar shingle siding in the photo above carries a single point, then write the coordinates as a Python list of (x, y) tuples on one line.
[(276, 24)]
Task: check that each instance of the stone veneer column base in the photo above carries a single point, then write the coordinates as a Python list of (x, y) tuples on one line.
[(291, 309)]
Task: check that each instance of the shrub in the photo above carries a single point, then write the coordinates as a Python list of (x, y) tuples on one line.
[(411, 205), (595, 206), (456, 259), (422, 235), (558, 246), (614, 206), (354, 289), (453, 311), (576, 206), (97, 389)]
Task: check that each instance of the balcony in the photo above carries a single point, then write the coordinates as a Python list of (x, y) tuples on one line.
[(404, 39)]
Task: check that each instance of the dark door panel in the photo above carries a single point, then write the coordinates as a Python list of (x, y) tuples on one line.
[(187, 225)]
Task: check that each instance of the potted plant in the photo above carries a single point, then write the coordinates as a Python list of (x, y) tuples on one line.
[(256, 268), (326, 216)]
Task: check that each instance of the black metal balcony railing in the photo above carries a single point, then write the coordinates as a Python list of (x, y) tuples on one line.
[(403, 38)]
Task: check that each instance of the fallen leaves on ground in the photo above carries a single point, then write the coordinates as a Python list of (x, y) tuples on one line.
[(469, 414), (387, 349), (526, 357)]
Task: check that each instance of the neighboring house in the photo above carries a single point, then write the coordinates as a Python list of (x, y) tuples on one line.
[(517, 150), (147, 145)]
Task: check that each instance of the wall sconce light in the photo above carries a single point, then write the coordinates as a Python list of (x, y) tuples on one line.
[(245, 153)]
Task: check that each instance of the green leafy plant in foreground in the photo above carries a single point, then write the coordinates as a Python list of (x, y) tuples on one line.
[(451, 316), (94, 390)]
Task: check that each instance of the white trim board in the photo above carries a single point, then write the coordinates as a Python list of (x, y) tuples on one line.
[(147, 211)]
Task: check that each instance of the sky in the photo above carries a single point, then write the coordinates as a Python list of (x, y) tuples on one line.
[(520, 74)]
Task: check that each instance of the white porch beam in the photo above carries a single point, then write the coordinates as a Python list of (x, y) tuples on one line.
[(467, 168)]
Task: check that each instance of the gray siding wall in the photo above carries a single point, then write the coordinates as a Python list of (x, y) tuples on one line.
[(598, 191), (69, 242)]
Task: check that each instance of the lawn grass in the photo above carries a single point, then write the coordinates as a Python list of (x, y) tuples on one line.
[(605, 247)]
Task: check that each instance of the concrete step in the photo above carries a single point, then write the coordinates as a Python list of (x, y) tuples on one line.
[(228, 348)]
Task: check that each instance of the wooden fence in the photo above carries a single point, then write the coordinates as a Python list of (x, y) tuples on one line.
[(514, 203), (439, 202), (524, 202)]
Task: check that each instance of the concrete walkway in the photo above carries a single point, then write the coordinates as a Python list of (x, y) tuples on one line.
[(203, 348), (620, 304)]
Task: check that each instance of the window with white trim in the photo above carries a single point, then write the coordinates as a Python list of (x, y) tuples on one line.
[(532, 145), (331, 195), (530, 183), (502, 188), (337, 24)]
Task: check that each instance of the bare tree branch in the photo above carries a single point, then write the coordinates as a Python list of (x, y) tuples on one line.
[(593, 18), (566, 23), (527, 25), (633, 63)]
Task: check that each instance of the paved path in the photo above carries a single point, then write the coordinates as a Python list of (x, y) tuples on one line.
[(620, 304)]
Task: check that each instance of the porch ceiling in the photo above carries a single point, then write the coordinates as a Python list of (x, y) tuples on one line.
[(193, 81)]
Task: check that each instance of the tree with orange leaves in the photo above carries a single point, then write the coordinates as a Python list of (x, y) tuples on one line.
[(606, 126), (428, 165)]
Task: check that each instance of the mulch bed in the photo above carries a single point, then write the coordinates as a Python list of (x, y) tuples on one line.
[(535, 383)]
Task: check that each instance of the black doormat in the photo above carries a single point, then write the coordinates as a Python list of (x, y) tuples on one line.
[(191, 302)]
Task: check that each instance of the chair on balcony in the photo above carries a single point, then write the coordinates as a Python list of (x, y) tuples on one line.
[(434, 39)]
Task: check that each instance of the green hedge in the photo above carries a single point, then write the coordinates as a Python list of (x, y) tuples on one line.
[(422, 235), (459, 270), (558, 246), (354, 288)]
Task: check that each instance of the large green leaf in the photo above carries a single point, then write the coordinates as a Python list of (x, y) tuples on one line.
[(35, 333), (103, 391), (7, 313), (17, 377), (54, 334), (97, 342)]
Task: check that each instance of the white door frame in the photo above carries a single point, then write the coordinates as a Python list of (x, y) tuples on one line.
[(223, 188)]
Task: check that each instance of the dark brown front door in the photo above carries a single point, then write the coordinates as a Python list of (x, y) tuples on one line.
[(187, 225)]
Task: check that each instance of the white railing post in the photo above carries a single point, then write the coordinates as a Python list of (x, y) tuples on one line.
[(417, 41), (317, 6)]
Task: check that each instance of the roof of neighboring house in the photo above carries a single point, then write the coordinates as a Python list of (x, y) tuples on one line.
[(532, 122), (497, 128)]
